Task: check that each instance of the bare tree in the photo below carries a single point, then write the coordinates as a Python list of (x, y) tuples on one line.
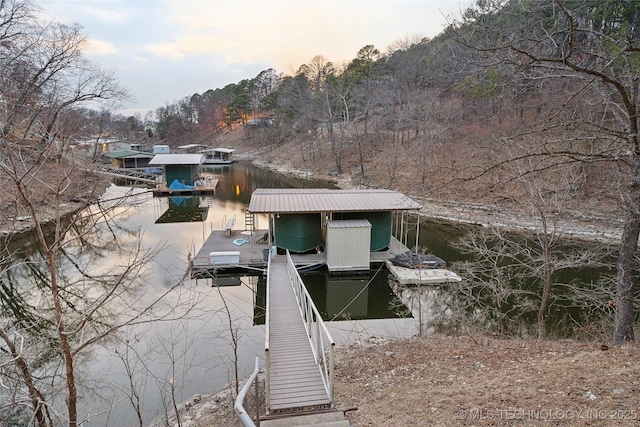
[(521, 273), (593, 50), (72, 307)]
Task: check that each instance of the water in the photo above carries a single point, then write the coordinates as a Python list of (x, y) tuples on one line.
[(190, 351)]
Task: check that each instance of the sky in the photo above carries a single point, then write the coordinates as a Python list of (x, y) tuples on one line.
[(165, 50)]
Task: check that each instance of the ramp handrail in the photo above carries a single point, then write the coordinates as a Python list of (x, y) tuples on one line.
[(238, 406), (322, 343), (267, 355)]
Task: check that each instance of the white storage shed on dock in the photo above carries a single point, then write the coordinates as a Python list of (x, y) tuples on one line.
[(347, 245)]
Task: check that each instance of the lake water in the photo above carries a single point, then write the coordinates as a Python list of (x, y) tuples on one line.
[(170, 361)]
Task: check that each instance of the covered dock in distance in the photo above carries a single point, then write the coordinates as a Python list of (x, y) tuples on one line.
[(180, 173), (212, 156), (129, 159), (181, 167)]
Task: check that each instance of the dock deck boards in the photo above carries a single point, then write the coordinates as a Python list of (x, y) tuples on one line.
[(296, 380), (251, 254)]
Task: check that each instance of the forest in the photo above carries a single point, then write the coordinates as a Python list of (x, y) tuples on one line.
[(518, 106), (529, 107)]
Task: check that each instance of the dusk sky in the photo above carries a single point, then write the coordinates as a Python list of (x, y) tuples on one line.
[(163, 51)]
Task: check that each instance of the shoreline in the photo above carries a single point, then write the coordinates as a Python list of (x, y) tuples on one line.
[(578, 226)]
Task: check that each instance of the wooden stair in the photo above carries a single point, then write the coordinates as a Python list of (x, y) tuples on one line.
[(324, 419)]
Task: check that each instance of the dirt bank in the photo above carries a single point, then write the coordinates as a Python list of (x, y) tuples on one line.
[(480, 381)]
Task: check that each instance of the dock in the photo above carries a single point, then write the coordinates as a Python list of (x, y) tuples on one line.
[(251, 255), (208, 189), (422, 276)]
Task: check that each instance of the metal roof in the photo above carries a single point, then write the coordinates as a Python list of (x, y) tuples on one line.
[(176, 159), (220, 150), (297, 200), (189, 146), (129, 154)]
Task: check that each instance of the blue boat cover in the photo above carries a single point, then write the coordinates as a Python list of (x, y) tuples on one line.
[(177, 185)]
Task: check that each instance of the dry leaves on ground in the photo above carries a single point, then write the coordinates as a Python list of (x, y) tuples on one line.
[(448, 381), (445, 381)]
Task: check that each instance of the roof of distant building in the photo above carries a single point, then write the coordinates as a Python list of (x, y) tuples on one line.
[(121, 154), (177, 159)]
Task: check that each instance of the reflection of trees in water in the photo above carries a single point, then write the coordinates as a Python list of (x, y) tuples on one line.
[(75, 289), (239, 180), (508, 277)]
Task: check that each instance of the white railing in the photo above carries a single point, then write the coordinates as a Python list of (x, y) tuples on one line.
[(321, 342), (244, 416), (266, 336)]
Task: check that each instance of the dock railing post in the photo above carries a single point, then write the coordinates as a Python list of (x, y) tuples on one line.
[(238, 406)]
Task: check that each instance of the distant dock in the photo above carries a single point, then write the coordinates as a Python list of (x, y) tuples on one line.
[(208, 189)]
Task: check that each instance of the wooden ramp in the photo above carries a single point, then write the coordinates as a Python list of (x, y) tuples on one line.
[(331, 419), (295, 378)]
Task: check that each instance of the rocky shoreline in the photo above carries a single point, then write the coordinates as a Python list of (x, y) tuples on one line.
[(601, 228)]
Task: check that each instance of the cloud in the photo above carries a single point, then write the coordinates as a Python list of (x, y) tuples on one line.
[(99, 47), (164, 50)]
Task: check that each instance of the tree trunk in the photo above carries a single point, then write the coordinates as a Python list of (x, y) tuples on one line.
[(623, 324), (543, 310)]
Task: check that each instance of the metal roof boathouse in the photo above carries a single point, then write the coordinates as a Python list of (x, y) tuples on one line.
[(346, 231), (344, 225)]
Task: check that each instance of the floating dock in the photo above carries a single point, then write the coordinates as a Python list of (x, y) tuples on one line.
[(228, 253), (208, 189), (422, 276)]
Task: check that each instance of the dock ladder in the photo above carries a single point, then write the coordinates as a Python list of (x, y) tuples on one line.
[(249, 221)]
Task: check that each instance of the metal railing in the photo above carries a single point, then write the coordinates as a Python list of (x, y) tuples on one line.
[(322, 343), (245, 418), (267, 355)]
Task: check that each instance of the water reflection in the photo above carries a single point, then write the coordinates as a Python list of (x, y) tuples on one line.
[(193, 354), (182, 209), (346, 297), (189, 352)]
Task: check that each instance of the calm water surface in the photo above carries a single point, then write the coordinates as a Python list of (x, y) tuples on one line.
[(170, 361), (194, 355)]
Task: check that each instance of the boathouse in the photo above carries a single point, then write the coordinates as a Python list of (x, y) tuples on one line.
[(129, 159), (183, 168), (213, 156), (346, 225)]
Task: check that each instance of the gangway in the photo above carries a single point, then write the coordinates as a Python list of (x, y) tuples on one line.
[(297, 375), (299, 355)]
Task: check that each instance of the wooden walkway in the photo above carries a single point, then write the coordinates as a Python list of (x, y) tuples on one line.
[(295, 378)]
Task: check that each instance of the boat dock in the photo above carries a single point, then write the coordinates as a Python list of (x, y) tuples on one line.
[(208, 188), (243, 251)]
